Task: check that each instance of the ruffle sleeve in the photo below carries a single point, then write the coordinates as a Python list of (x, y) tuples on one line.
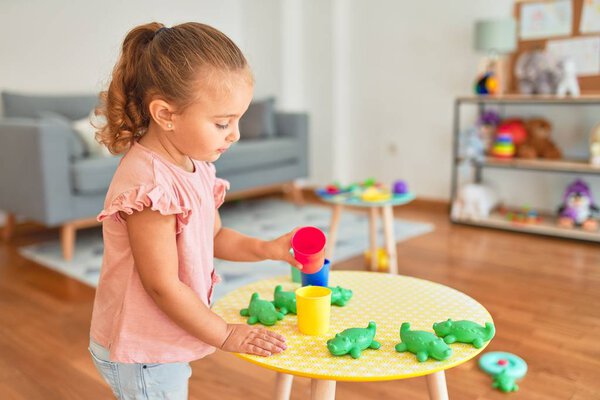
[(220, 190), (155, 197)]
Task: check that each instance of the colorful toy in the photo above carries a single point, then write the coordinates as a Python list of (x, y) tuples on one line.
[(308, 244), (538, 143), (262, 311), (353, 341), (400, 187), (319, 278), (487, 83), (383, 260), (464, 332), (484, 133), (340, 296), (505, 369), (422, 344), (504, 146), (314, 309), (375, 194), (526, 215), (578, 208), (595, 146), (284, 301)]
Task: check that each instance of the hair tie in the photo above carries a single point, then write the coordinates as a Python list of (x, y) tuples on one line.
[(164, 28)]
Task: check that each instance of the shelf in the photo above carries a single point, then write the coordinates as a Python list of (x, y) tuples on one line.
[(546, 227), (567, 166), (530, 99)]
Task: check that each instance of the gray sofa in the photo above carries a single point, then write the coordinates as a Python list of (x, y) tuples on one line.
[(47, 174)]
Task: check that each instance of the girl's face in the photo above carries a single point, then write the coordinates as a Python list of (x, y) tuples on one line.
[(207, 128)]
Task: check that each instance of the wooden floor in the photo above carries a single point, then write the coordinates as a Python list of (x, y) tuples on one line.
[(544, 295)]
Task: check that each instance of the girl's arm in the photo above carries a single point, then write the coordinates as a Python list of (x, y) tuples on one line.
[(235, 246), (152, 240)]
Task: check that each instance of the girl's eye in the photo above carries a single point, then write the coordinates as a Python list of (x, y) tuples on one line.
[(222, 126)]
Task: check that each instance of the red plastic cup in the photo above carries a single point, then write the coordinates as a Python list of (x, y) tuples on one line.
[(309, 248)]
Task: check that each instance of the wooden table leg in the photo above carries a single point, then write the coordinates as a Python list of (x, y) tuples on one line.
[(373, 237), (335, 222), (283, 386), (436, 383), (322, 390), (390, 238), (9, 226)]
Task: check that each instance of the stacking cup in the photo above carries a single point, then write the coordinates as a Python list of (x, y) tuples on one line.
[(313, 305), (319, 278), (308, 244)]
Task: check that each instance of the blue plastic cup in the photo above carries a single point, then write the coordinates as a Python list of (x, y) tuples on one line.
[(319, 278)]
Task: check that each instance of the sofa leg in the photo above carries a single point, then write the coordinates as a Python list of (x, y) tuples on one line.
[(9, 227), (67, 240)]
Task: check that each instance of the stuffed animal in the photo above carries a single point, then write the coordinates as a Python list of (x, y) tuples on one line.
[(538, 143), (475, 201), (536, 73), (578, 208), (595, 146), (568, 78)]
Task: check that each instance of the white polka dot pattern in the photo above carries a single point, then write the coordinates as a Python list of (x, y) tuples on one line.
[(386, 299)]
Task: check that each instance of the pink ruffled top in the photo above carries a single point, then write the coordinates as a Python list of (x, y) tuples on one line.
[(125, 319)]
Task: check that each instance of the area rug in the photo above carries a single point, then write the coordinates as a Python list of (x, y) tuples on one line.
[(265, 219)]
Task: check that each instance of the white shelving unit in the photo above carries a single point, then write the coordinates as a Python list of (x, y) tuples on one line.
[(548, 225)]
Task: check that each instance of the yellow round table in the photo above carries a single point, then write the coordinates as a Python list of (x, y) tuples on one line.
[(386, 299)]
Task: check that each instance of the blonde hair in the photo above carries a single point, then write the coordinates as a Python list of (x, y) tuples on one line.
[(156, 61)]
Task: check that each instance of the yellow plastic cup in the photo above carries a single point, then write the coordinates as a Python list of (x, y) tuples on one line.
[(313, 304)]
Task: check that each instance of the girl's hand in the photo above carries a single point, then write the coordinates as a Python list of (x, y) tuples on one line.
[(279, 249), (242, 338)]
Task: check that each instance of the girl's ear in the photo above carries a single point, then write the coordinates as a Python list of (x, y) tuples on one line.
[(161, 113)]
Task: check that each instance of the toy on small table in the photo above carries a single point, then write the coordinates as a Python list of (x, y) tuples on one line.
[(578, 208), (284, 301), (422, 344), (464, 332), (505, 369), (340, 296), (262, 311), (353, 341), (373, 193), (400, 187), (383, 260)]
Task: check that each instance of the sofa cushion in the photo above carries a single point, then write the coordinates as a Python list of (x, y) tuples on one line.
[(259, 120), (92, 175), (77, 148), (257, 154), (29, 106)]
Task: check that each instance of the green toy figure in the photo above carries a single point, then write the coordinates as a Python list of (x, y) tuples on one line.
[(284, 301), (340, 296), (504, 382), (354, 341), (262, 311), (464, 332), (422, 344)]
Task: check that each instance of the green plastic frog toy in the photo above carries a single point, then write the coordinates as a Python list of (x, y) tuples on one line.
[(422, 344), (354, 341), (262, 311), (504, 382), (464, 332), (284, 301), (340, 296)]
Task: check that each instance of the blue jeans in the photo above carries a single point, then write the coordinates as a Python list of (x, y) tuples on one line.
[(142, 381)]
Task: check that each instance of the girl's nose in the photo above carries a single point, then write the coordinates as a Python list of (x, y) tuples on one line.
[(234, 136)]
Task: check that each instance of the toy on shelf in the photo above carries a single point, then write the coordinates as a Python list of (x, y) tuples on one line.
[(538, 143), (487, 124), (262, 311), (487, 83), (505, 369), (340, 296), (422, 344), (383, 259), (464, 332), (578, 208), (536, 73), (525, 216), (595, 146), (474, 202), (284, 301), (503, 147), (353, 341), (568, 78)]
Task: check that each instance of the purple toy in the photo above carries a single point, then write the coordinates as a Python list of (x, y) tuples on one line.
[(489, 117), (400, 187), (578, 208)]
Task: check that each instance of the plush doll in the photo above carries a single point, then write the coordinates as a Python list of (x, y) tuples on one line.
[(538, 143), (568, 79), (536, 73), (474, 201), (578, 208)]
